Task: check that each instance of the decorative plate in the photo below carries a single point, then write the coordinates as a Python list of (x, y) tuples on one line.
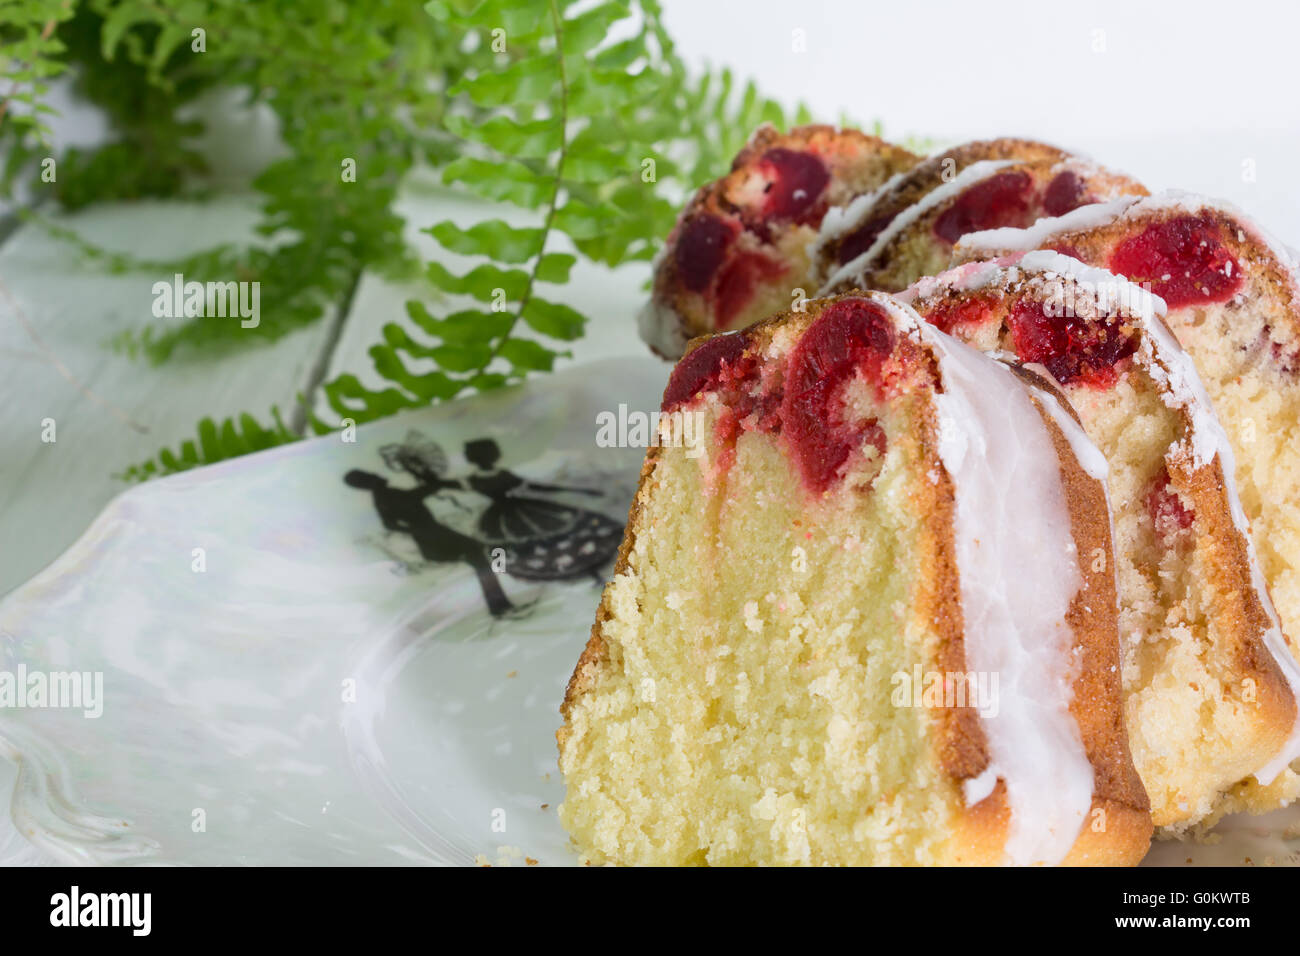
[(332, 652)]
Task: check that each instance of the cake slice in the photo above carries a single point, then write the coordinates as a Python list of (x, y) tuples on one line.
[(907, 228), (1233, 294), (868, 619), (739, 249), (1209, 684)]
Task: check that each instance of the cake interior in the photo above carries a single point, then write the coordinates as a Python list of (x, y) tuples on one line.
[(1249, 360), (770, 656), (1193, 726), (1259, 405)]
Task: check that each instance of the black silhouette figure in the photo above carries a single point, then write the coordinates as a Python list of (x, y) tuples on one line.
[(543, 540), (404, 510)]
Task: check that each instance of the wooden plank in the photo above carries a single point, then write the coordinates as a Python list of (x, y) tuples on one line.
[(50, 491)]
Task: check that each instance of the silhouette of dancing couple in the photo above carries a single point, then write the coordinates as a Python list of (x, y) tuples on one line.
[(539, 540)]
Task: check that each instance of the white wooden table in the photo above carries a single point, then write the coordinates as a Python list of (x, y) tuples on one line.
[(51, 491)]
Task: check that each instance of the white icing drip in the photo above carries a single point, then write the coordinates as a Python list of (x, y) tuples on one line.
[(971, 174), (1010, 238), (963, 278), (1114, 294), (840, 220), (1085, 452), (1017, 579), (660, 327)]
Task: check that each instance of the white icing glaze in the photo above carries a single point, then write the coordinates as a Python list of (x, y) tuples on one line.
[(1114, 294), (968, 176), (660, 327), (1085, 452), (964, 278), (1018, 578), (1010, 238), (840, 220), (843, 219)]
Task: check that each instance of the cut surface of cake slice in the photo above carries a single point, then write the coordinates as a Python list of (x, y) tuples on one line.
[(906, 229), (1233, 294), (869, 618), (739, 249), (1210, 686)]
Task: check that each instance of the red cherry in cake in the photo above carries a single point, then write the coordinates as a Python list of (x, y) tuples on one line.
[(851, 337), (1168, 513), (860, 240), (796, 182), (1182, 260), (1002, 200), (1064, 193), (1076, 351), (947, 316), (711, 364), (737, 282), (701, 248)]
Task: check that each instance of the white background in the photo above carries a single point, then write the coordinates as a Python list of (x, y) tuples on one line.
[(1179, 94)]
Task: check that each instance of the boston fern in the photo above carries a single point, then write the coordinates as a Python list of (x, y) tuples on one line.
[(579, 115)]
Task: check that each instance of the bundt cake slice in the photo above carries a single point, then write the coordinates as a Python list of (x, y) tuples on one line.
[(1233, 294), (1209, 685), (868, 619), (907, 228), (739, 249)]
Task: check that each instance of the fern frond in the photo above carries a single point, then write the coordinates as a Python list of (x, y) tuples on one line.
[(581, 115), (214, 442)]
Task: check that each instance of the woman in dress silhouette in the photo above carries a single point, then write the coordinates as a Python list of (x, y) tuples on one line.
[(404, 510), (544, 540)]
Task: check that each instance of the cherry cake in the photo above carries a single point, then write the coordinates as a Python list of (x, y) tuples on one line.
[(739, 250), (1233, 298), (1209, 682), (777, 669), (907, 229)]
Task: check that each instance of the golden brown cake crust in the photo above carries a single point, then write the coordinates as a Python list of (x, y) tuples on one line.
[(979, 832), (962, 744), (1118, 831), (595, 653), (1243, 611)]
